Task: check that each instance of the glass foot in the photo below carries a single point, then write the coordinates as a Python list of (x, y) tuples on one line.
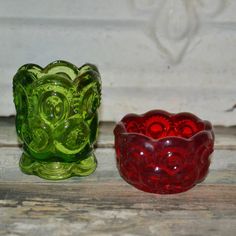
[(57, 170)]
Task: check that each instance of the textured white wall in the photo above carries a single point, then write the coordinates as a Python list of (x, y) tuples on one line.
[(178, 55)]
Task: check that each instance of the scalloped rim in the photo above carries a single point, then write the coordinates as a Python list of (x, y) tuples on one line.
[(120, 126), (60, 62)]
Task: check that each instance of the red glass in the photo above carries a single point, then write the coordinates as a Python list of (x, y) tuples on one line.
[(163, 153)]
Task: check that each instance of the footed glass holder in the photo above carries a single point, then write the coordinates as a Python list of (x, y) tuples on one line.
[(57, 119)]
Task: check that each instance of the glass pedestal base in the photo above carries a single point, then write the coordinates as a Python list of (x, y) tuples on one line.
[(58, 170)]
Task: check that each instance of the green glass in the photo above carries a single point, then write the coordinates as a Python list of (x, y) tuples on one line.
[(57, 118)]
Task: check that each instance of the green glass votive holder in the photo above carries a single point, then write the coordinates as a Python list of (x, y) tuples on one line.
[(57, 119)]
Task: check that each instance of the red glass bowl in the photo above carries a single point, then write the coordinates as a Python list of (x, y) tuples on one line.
[(161, 152)]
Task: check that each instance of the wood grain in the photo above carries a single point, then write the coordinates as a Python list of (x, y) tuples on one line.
[(222, 169), (114, 209), (104, 204)]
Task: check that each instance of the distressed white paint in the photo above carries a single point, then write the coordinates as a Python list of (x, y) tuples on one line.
[(225, 138), (174, 55), (222, 168), (103, 204)]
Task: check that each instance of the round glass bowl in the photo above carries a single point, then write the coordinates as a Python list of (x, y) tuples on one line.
[(161, 152)]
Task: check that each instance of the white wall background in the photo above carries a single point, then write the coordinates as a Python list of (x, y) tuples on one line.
[(177, 55)]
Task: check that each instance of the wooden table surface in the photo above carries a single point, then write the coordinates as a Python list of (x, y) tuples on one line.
[(103, 204)]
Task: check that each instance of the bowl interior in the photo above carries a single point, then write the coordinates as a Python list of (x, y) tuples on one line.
[(158, 125)]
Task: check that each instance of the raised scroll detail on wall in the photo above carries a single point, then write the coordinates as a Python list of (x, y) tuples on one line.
[(174, 24)]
